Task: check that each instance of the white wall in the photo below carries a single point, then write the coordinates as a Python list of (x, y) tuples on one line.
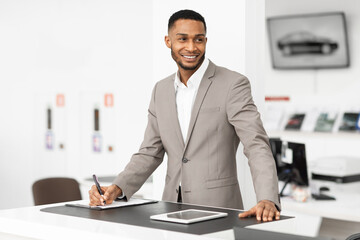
[(341, 84), (76, 48), (84, 49)]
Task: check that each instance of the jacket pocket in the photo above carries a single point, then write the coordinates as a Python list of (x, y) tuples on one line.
[(221, 182)]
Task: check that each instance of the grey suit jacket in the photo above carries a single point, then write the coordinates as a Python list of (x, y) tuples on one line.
[(223, 115)]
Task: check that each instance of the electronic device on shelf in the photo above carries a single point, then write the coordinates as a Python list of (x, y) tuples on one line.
[(290, 159), (291, 165), (339, 169)]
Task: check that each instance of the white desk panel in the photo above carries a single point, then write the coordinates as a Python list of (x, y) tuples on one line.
[(32, 223)]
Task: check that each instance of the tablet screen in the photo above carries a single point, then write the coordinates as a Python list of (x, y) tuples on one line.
[(189, 214)]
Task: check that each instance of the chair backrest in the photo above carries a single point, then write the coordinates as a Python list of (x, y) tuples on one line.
[(55, 190)]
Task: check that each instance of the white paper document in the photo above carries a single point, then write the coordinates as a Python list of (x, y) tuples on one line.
[(115, 204)]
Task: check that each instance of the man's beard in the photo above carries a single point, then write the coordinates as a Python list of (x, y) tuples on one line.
[(185, 67)]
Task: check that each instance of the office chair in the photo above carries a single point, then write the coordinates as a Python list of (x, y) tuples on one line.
[(55, 190)]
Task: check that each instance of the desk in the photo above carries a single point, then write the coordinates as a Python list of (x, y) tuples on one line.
[(346, 207), (30, 222), (336, 218)]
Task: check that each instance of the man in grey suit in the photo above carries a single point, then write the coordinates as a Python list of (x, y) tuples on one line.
[(197, 117)]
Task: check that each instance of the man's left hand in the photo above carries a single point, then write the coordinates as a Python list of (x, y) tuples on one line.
[(265, 210)]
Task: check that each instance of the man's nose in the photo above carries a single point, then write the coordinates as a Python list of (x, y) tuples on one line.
[(191, 46)]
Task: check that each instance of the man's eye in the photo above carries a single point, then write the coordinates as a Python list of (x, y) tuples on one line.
[(199, 40), (182, 39)]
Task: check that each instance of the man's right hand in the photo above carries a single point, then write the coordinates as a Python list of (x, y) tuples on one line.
[(110, 194)]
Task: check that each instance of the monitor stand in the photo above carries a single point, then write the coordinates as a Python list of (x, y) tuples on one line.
[(288, 180)]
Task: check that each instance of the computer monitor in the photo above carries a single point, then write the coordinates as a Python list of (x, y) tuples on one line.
[(290, 159)]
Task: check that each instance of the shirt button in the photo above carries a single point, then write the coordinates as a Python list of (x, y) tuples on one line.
[(184, 160)]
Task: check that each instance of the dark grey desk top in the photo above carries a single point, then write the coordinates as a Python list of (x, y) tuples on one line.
[(140, 216)]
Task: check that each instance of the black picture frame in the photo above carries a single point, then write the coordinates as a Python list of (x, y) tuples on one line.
[(309, 41)]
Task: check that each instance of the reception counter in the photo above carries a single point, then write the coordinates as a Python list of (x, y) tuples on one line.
[(57, 221)]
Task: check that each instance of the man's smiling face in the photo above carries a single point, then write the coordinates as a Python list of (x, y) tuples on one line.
[(187, 41)]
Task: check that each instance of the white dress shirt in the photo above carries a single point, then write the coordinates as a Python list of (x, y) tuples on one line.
[(185, 96)]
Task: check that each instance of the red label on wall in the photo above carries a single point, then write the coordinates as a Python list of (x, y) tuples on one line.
[(278, 98), (109, 100), (60, 100)]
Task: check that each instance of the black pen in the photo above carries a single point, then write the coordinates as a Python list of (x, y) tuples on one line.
[(96, 181)]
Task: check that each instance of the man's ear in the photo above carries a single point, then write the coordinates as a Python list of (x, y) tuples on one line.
[(168, 41)]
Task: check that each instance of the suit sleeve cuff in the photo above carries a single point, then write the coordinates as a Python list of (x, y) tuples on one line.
[(122, 196)]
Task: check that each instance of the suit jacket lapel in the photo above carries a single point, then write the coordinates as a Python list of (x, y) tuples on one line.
[(173, 113), (203, 88)]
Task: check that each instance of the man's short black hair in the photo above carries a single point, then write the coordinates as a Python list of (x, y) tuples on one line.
[(186, 14)]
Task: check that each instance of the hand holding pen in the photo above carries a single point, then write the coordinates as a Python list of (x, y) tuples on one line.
[(97, 184), (100, 195)]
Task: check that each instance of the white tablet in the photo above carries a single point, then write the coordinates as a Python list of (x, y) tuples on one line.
[(188, 216)]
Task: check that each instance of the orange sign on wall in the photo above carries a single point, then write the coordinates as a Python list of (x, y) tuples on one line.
[(60, 100), (109, 100)]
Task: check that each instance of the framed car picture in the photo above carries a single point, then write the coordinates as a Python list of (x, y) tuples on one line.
[(309, 41)]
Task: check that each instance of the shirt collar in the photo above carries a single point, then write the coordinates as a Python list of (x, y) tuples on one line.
[(195, 79)]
